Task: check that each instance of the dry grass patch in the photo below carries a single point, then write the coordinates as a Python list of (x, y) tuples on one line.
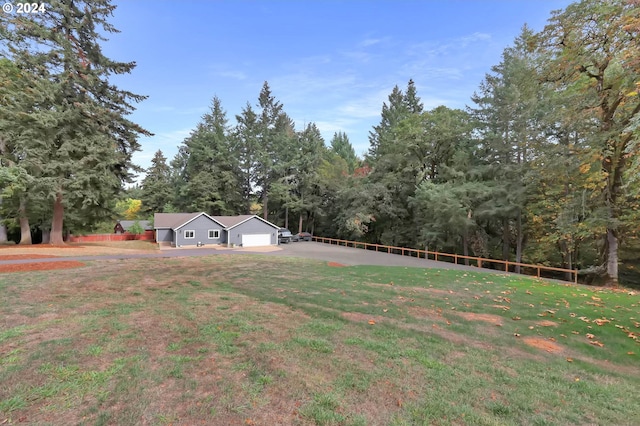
[(252, 340), (40, 266)]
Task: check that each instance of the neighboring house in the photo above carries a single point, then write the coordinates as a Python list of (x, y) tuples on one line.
[(196, 229), (123, 226)]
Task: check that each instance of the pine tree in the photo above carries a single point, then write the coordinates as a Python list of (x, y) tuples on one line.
[(340, 145), (211, 170), (275, 131), (156, 186), (507, 114), (82, 141), (245, 144)]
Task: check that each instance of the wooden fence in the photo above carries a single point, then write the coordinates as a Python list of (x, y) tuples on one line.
[(147, 236), (438, 256)]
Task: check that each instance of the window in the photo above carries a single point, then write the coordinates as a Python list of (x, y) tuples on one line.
[(189, 234), (214, 233)]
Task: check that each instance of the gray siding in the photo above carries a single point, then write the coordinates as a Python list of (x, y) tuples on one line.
[(252, 226), (201, 225), (164, 235)]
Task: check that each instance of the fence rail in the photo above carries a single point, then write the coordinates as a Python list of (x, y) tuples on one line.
[(146, 236), (424, 254)]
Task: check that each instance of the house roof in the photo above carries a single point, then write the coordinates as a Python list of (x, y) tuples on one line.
[(237, 220), (173, 220), (126, 224), (178, 220), (231, 221)]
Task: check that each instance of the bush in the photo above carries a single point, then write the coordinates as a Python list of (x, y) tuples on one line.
[(136, 228)]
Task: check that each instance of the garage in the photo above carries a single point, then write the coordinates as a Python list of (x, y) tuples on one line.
[(256, 240)]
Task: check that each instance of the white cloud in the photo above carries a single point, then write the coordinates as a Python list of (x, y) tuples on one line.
[(445, 48), (237, 75), (366, 106)]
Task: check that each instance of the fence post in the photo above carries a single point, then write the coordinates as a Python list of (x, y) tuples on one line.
[(575, 274), (506, 266), (538, 272), (479, 263)]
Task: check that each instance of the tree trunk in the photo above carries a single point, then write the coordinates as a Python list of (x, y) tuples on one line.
[(25, 229), (3, 228), (300, 223), (465, 248), (612, 258), (46, 236), (506, 237), (286, 217), (265, 207), (56, 223), (519, 242)]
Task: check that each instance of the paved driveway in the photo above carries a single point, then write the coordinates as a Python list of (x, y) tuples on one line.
[(354, 256), (305, 249)]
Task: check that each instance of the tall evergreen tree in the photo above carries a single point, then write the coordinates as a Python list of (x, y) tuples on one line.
[(245, 144), (15, 130), (340, 145), (156, 186), (84, 141), (275, 130), (507, 114), (211, 170)]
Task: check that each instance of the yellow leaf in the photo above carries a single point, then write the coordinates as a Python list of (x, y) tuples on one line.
[(585, 168)]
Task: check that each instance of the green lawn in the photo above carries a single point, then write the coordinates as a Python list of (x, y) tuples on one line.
[(257, 340)]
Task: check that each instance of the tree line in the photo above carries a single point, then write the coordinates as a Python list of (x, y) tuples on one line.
[(542, 167)]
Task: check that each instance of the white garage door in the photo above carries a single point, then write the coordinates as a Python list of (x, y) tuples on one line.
[(256, 240)]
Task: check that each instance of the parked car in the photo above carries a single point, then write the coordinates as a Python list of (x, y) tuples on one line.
[(304, 236), (284, 236)]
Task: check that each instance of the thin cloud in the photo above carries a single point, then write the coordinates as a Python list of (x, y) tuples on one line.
[(236, 75)]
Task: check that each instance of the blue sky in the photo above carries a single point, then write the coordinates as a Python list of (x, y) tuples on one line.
[(330, 62)]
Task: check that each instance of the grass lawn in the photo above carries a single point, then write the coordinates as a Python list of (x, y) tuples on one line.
[(256, 340)]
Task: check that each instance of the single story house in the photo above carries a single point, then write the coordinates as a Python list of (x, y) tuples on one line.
[(197, 229), (123, 226)]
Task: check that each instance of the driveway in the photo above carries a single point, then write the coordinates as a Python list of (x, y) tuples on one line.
[(306, 249), (355, 256)]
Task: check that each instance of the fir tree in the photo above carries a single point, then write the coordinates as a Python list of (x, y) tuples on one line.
[(156, 186), (340, 145), (82, 140)]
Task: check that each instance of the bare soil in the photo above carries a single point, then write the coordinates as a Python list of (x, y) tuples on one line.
[(25, 256), (543, 344), (40, 266), (70, 250), (491, 319)]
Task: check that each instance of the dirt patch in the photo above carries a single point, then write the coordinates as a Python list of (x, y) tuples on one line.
[(335, 264), (547, 323), (413, 290), (70, 250), (40, 266), (38, 247), (543, 344), (420, 312), (360, 317), (25, 256), (491, 319)]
